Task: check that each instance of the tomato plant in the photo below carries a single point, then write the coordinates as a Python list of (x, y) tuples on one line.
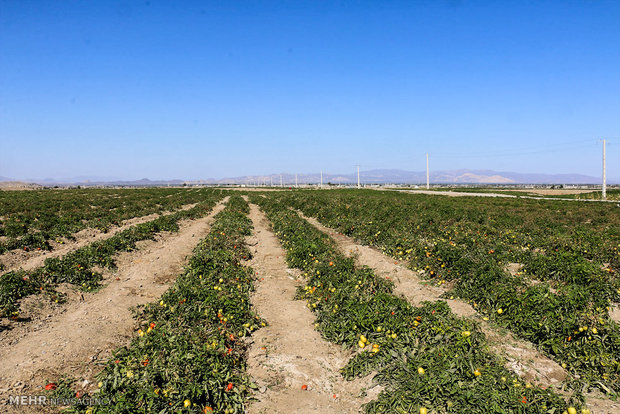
[(425, 357), (568, 254)]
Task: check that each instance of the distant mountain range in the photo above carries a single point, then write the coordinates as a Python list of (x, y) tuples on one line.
[(415, 177), (463, 176)]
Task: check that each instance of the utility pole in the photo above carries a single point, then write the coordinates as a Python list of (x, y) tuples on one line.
[(271, 181), (604, 173), (296, 180), (321, 186), (428, 182), (358, 177), (281, 180)]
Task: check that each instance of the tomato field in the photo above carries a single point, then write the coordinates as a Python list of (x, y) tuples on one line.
[(183, 336)]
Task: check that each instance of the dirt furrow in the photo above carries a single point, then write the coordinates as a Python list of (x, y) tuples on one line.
[(521, 356), (28, 260), (289, 353), (78, 340), (614, 313)]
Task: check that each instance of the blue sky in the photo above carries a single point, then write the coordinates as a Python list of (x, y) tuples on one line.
[(216, 89)]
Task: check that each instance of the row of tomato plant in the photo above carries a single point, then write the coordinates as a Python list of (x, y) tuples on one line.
[(566, 255), (31, 219), (78, 267), (426, 357), (189, 353), (613, 194)]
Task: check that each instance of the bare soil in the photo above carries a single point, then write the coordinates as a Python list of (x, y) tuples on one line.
[(28, 260), (614, 313), (521, 356), (76, 339), (289, 352), (18, 186), (550, 191)]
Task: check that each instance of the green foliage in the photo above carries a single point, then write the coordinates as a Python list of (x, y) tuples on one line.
[(424, 357), (77, 267), (30, 219), (190, 345), (558, 300)]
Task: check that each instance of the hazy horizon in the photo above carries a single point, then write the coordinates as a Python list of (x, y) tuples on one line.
[(393, 175), (214, 90)]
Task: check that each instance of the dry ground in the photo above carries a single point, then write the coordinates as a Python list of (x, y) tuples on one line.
[(28, 260), (77, 338), (521, 356), (289, 352), (552, 191)]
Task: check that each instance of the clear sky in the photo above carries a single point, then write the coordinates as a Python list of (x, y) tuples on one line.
[(168, 89)]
